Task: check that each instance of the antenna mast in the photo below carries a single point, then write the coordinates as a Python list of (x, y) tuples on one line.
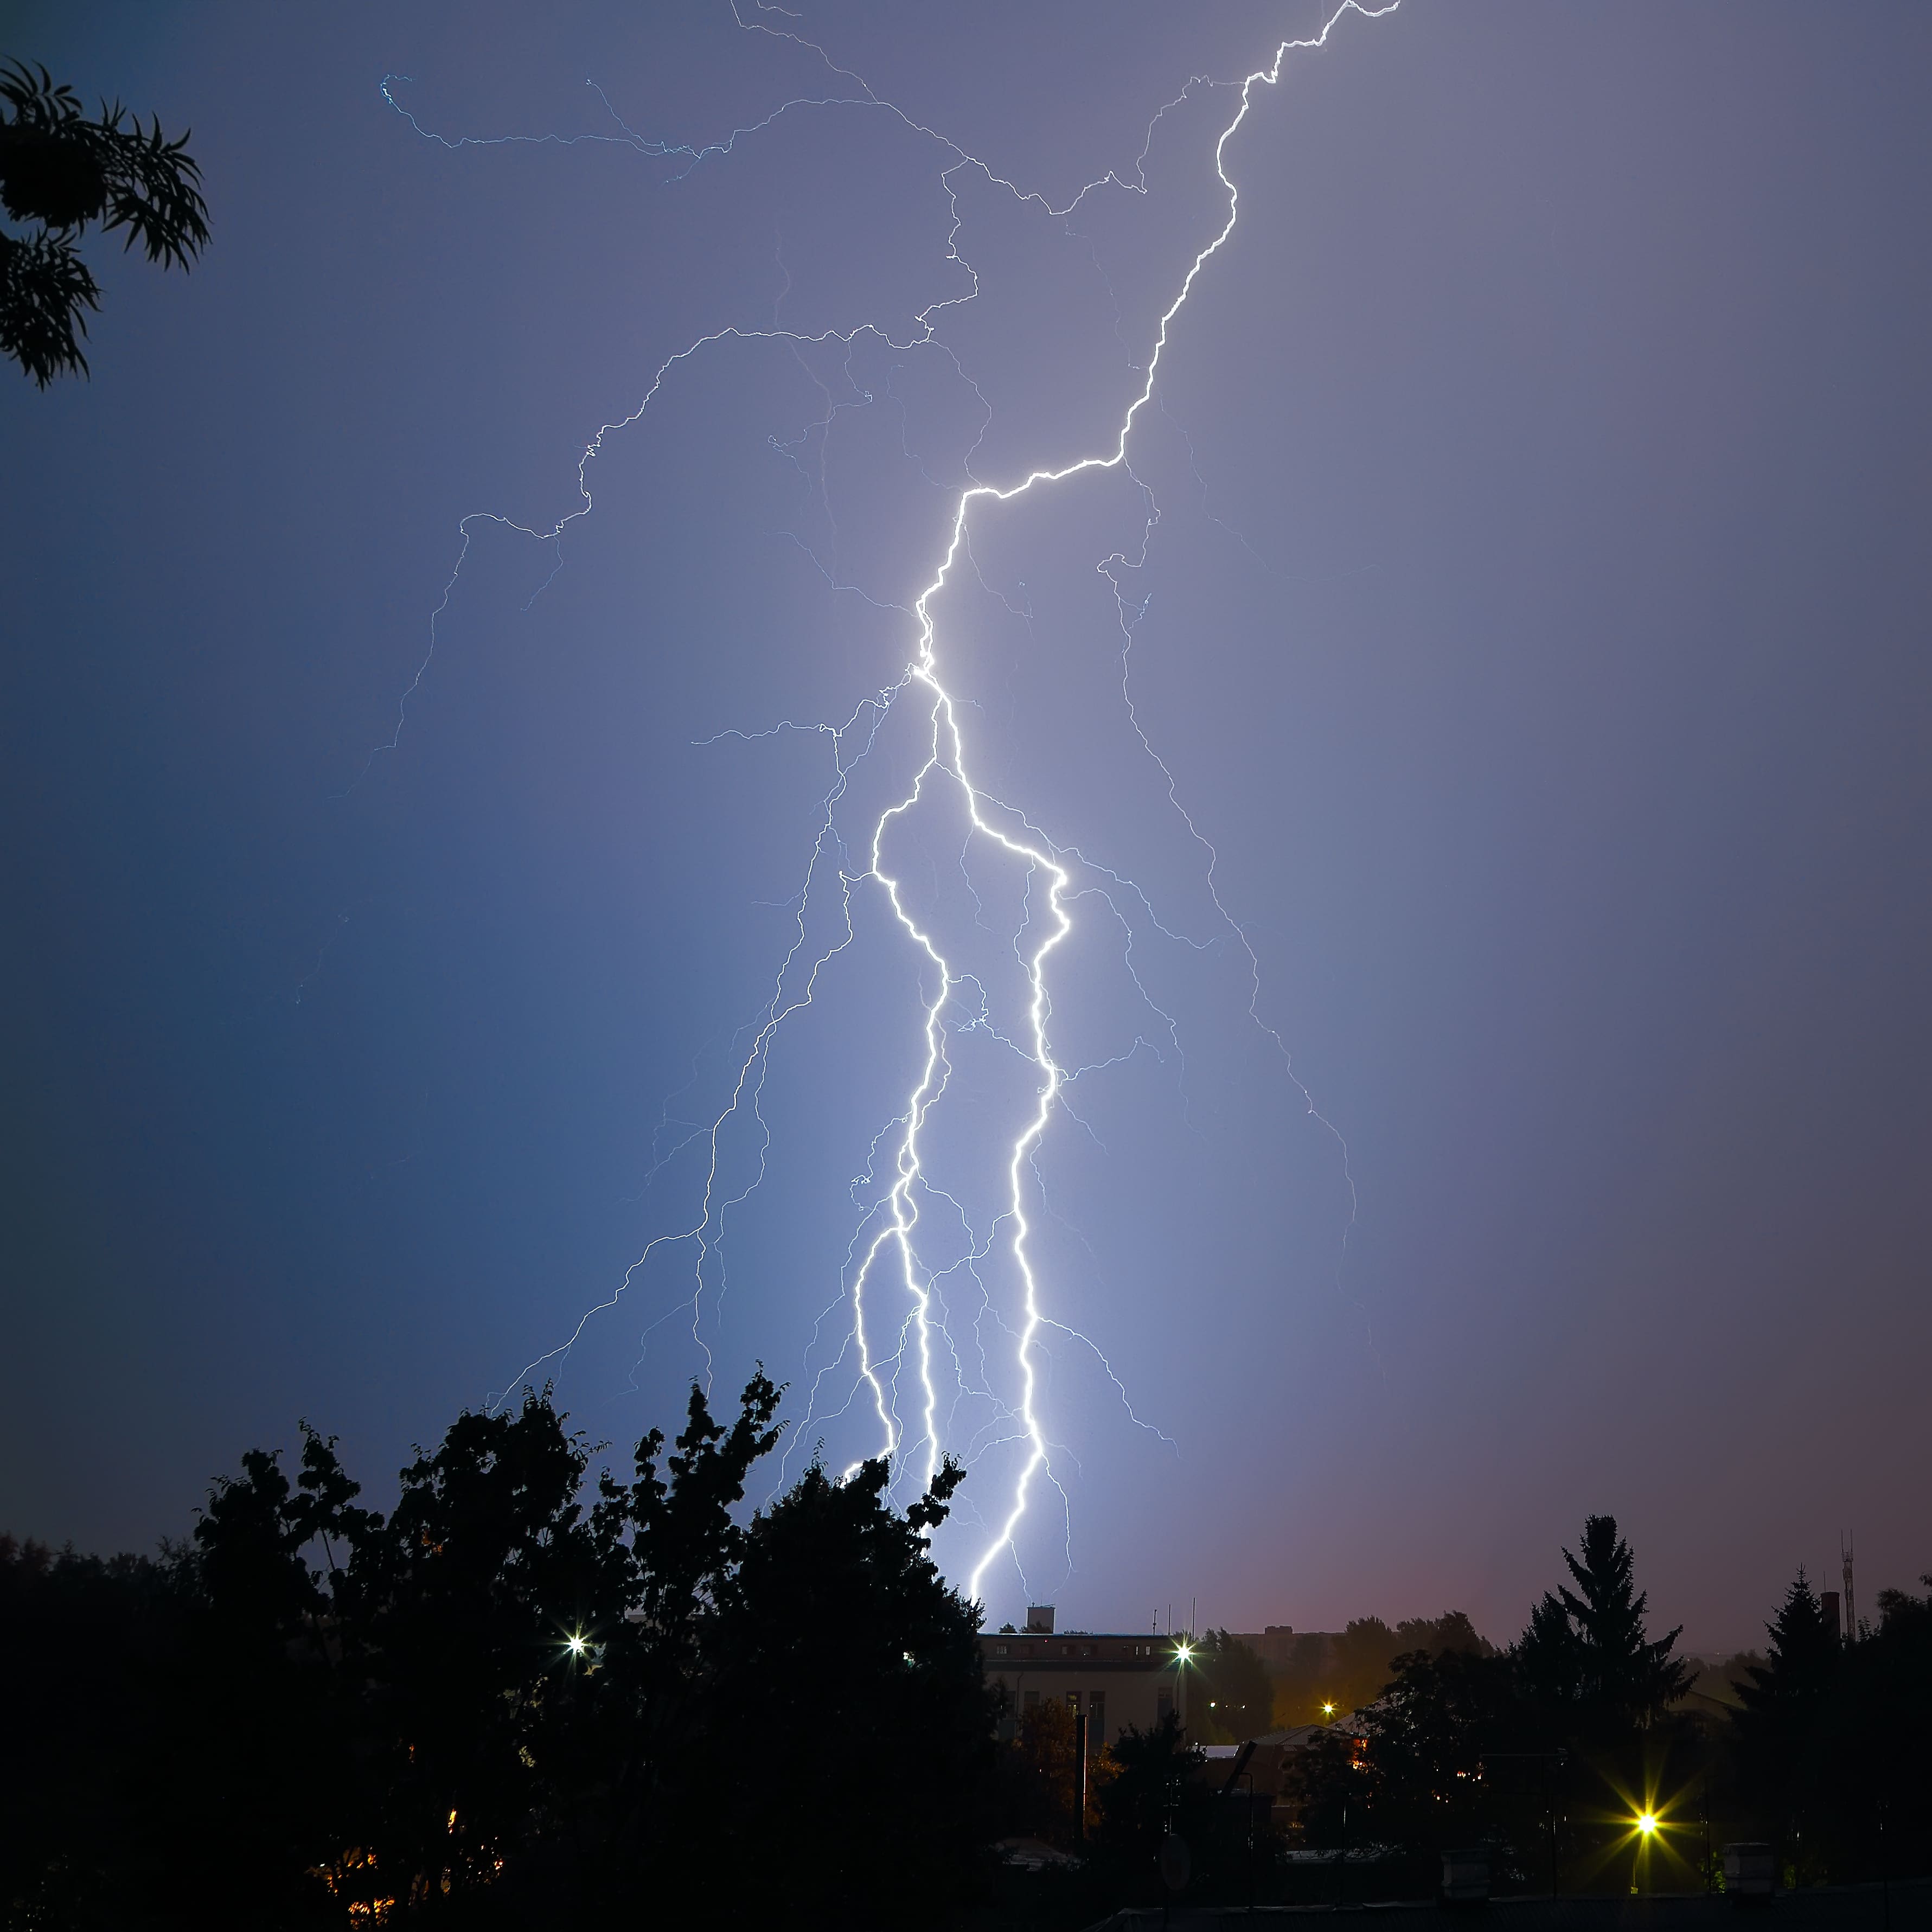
[(1851, 1611)]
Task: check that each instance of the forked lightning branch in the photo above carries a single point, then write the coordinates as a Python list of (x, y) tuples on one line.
[(898, 1330)]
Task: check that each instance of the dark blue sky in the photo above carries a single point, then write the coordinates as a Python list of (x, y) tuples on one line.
[(1534, 624)]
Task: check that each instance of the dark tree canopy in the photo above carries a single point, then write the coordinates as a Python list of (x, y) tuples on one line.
[(1588, 1648), (845, 1659), (1460, 1743), (1783, 1703), (1829, 1736), (523, 1697), (535, 1694), (1153, 1785), (1233, 1699), (1350, 1669), (62, 173)]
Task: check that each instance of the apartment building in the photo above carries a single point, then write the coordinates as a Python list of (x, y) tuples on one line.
[(1112, 1679)]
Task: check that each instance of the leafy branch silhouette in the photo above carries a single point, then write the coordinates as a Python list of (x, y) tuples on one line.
[(61, 173)]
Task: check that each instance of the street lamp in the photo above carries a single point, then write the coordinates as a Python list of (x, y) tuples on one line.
[(1645, 1827)]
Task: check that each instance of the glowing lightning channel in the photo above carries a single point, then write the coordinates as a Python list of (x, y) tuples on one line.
[(945, 722), (796, 980)]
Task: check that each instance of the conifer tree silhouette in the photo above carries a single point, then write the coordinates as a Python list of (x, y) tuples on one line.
[(1589, 1646)]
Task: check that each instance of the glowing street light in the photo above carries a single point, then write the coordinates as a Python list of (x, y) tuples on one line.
[(1327, 1710), (1647, 1829), (577, 1647)]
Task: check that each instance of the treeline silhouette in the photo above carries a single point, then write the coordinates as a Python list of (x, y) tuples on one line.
[(1552, 1751), (1330, 1673), (534, 1695), (530, 1695), (521, 1698)]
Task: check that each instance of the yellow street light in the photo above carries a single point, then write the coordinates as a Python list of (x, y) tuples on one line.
[(1327, 1710), (1647, 1823)]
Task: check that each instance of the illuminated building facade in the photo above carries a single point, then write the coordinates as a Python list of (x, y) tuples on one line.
[(1112, 1680)]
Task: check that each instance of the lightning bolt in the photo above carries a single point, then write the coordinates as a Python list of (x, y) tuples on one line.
[(1062, 875)]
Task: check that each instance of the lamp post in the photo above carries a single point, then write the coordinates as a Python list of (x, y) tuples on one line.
[(1884, 1864), (1080, 1778), (1248, 1778), (1646, 1830), (1342, 1864)]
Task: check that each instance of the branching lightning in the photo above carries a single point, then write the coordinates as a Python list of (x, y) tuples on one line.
[(894, 1293)]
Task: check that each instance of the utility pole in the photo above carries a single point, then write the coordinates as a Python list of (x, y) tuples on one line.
[(1250, 1778), (1851, 1610), (1552, 1769), (1341, 1863), (1884, 1864)]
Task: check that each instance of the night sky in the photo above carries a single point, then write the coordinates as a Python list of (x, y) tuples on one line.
[(1515, 633)]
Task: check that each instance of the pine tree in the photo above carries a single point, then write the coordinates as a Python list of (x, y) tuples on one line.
[(1549, 1658), (1588, 1649), (1783, 1702), (1803, 1655)]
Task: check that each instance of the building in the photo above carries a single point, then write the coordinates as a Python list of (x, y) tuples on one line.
[(1111, 1680), (1275, 1751)]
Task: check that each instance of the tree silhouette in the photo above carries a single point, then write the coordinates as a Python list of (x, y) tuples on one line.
[(1800, 1661), (1235, 1700), (1042, 1779), (1332, 1789), (1783, 1703), (1351, 1668), (476, 1615), (62, 173), (841, 1651), (1154, 1785), (93, 1683), (529, 1695), (1588, 1647)]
